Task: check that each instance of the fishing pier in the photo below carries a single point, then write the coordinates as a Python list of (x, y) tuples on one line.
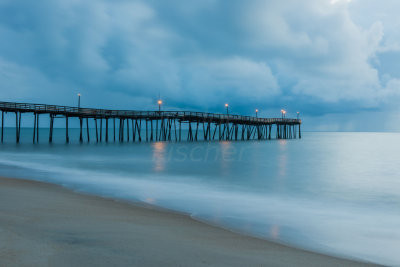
[(138, 126)]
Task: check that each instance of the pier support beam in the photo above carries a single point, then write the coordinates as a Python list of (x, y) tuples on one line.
[(299, 132), (133, 130), (127, 130), (180, 130), (139, 127), (176, 138), (87, 130), (37, 128), (66, 130), (97, 131), (2, 126), (80, 133), (277, 132), (147, 136), (34, 127), (197, 130), (119, 130), (151, 130), (106, 130), (101, 130), (17, 125), (51, 128)]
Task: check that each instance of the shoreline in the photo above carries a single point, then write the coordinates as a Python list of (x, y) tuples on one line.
[(47, 224)]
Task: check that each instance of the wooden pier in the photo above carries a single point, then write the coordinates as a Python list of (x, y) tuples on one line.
[(132, 126)]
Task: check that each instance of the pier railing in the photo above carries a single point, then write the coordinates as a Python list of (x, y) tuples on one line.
[(108, 113)]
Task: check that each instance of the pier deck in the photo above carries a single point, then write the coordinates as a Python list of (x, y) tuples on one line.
[(159, 125)]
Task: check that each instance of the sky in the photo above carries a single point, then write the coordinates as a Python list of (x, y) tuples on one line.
[(334, 61)]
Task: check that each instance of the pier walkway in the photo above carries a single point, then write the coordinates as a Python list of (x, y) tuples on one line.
[(131, 125)]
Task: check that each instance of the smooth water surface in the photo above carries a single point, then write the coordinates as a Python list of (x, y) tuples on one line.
[(337, 193)]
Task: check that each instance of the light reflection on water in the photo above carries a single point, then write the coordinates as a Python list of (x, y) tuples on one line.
[(274, 232), (332, 192), (159, 156)]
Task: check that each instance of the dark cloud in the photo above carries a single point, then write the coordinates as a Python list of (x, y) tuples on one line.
[(303, 55)]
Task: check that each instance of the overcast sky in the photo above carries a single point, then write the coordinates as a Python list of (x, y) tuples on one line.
[(335, 61)]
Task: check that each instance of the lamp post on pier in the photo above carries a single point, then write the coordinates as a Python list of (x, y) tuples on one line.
[(283, 113), (298, 115), (159, 104), (256, 113), (79, 100), (227, 109)]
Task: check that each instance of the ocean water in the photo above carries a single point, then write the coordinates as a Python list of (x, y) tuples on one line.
[(336, 193)]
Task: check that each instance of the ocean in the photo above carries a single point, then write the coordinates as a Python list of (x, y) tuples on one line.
[(335, 193)]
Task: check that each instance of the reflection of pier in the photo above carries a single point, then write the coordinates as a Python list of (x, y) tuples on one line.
[(129, 125)]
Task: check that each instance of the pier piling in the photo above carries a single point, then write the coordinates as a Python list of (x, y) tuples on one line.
[(229, 127)]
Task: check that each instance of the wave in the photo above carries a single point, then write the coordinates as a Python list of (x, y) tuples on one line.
[(325, 226)]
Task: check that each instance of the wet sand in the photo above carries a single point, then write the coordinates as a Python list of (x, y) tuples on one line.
[(47, 225)]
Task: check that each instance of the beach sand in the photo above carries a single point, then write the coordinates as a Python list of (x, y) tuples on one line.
[(47, 225)]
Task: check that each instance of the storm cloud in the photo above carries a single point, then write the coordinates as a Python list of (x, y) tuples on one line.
[(318, 56)]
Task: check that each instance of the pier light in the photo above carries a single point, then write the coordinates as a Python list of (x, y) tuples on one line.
[(298, 114), (79, 100), (159, 104), (256, 113), (227, 109), (283, 113)]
